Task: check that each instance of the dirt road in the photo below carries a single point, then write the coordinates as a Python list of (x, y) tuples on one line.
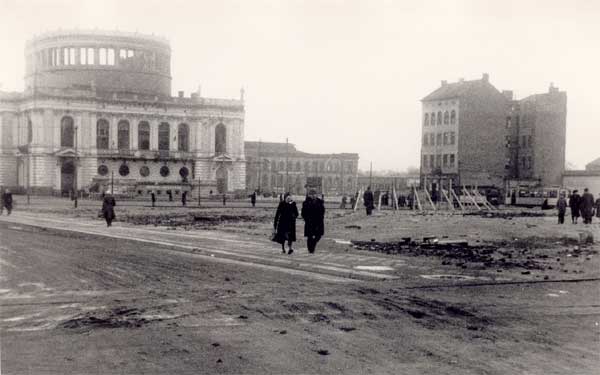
[(74, 303)]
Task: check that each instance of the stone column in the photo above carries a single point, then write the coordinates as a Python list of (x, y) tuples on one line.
[(173, 136), (133, 135), (154, 134), (113, 133)]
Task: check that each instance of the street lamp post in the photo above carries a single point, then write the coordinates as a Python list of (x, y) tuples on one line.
[(75, 170)]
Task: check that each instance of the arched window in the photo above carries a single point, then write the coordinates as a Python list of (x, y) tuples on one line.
[(426, 119), (29, 131), (67, 130), (439, 118), (446, 118), (144, 136), (102, 134), (453, 117), (123, 135), (220, 139), (432, 118), (163, 136), (183, 136)]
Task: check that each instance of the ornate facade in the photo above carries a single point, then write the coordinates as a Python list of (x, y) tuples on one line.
[(97, 113), (280, 167)]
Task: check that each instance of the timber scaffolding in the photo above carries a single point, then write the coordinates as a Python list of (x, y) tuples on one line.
[(469, 199)]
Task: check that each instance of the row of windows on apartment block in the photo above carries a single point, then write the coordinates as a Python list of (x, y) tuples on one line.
[(445, 160), (67, 136), (526, 141), (315, 166), (106, 56), (526, 162), (446, 117), (432, 139)]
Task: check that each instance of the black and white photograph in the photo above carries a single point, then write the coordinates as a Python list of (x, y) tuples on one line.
[(299, 187)]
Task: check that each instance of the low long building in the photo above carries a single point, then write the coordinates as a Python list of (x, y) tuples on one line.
[(279, 167)]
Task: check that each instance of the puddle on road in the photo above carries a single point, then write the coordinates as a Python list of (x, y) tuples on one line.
[(453, 277), (373, 268)]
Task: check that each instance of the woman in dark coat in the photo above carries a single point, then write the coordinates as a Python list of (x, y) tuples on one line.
[(574, 203), (7, 201), (285, 223), (108, 208), (313, 212)]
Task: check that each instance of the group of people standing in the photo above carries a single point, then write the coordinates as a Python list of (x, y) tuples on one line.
[(284, 225), (580, 205)]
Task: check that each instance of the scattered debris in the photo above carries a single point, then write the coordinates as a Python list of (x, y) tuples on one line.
[(323, 351), (353, 227)]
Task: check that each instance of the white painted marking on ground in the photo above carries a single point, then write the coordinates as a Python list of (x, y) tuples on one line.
[(552, 295), (374, 268)]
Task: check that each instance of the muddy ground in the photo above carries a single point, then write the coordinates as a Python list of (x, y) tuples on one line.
[(111, 306)]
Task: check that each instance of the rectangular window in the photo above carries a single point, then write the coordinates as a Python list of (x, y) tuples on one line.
[(102, 56), (438, 160), (111, 56), (452, 138), (122, 54), (452, 160), (445, 138), (72, 56), (431, 161), (65, 56), (530, 162), (425, 138), (529, 141), (508, 122), (130, 53), (424, 161), (90, 56), (524, 141), (445, 162), (53, 54), (431, 139), (82, 56), (439, 139)]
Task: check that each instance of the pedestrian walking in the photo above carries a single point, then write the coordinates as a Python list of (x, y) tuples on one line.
[(587, 206), (368, 200), (7, 201), (108, 208), (313, 213), (285, 223), (344, 201), (153, 198), (224, 199), (561, 206), (574, 203), (183, 198), (253, 199), (170, 194)]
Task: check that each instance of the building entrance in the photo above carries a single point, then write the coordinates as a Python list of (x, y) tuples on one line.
[(222, 180), (67, 177)]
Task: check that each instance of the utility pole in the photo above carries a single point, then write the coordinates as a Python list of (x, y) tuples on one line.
[(287, 185), (370, 173), (112, 182), (259, 166), (198, 189), (75, 174)]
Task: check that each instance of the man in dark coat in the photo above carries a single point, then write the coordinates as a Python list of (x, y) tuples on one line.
[(153, 198), (183, 198), (253, 199), (587, 206), (598, 207), (7, 201), (313, 213), (368, 200), (574, 203), (285, 223), (108, 208)]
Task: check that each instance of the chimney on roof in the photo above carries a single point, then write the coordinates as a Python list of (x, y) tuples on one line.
[(180, 94), (508, 94), (552, 89), (486, 77), (444, 82)]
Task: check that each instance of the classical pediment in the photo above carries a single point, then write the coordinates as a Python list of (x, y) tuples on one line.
[(222, 158), (66, 153)]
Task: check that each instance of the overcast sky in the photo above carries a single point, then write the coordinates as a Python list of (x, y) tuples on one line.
[(347, 76)]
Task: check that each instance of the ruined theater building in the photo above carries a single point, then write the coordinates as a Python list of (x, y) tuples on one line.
[(97, 111), (475, 135), (279, 167)]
